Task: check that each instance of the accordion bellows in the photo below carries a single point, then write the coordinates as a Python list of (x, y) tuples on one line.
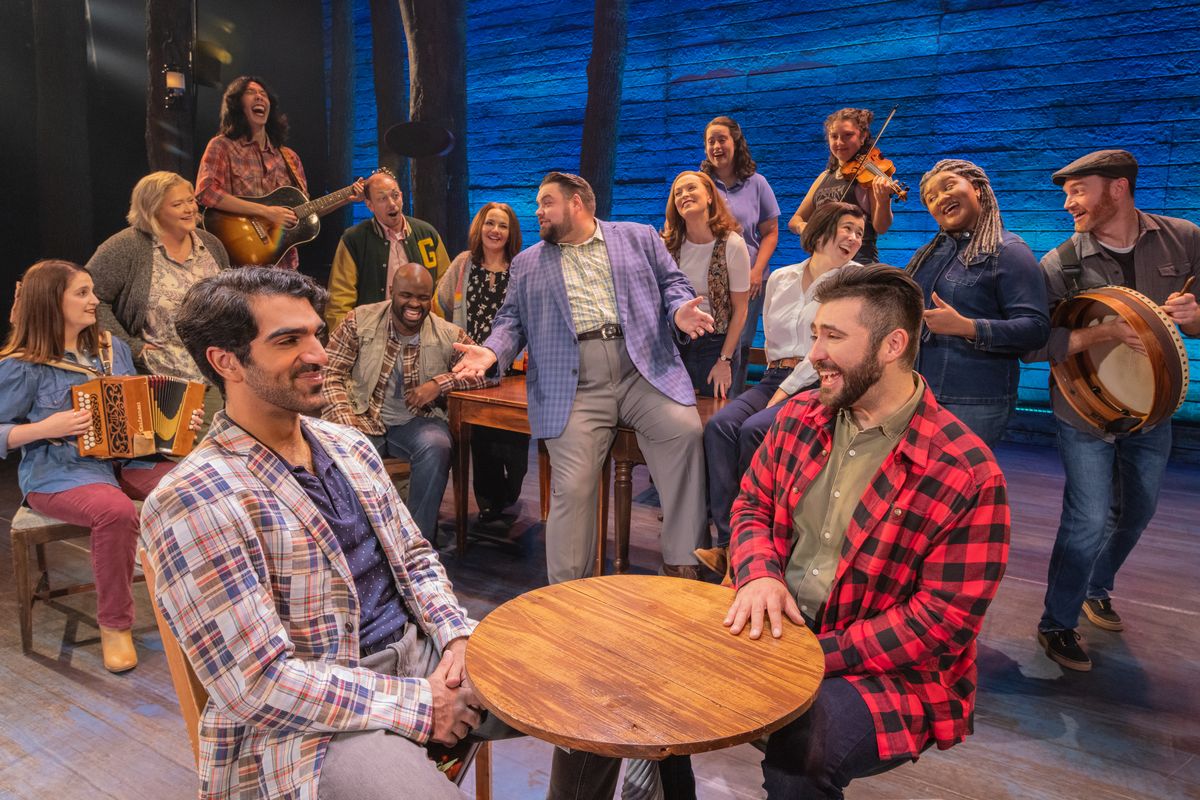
[(135, 416)]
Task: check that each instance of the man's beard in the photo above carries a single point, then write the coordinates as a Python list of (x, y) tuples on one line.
[(855, 382), (555, 232), (1104, 211), (284, 396)]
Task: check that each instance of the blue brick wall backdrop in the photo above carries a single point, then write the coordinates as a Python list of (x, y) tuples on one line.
[(1019, 87)]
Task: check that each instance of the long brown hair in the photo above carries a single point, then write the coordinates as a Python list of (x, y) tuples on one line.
[(475, 235), (37, 332), (720, 220), (743, 164)]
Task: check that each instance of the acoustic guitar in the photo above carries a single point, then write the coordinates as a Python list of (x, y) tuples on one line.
[(253, 241)]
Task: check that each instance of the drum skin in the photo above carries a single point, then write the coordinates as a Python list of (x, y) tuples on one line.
[(1110, 386)]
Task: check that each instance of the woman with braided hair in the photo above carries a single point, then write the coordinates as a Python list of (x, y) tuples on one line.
[(985, 300)]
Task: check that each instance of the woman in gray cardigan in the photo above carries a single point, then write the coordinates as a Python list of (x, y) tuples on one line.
[(142, 273)]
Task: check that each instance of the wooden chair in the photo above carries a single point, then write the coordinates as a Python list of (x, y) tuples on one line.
[(28, 527), (192, 695)]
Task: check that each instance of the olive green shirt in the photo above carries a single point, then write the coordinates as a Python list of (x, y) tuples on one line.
[(823, 513)]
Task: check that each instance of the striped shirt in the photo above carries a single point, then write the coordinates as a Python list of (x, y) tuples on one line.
[(587, 273)]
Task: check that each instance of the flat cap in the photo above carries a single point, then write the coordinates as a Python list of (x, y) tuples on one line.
[(1109, 163)]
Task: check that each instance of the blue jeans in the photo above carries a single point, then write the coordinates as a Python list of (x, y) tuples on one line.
[(987, 421), (1109, 498), (699, 355), (730, 439), (749, 330), (426, 444)]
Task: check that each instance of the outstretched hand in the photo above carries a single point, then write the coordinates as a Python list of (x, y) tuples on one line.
[(692, 321), (475, 360)]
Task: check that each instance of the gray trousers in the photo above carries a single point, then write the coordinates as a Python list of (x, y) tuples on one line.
[(382, 765), (611, 391)]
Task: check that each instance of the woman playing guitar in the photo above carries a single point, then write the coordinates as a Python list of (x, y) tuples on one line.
[(848, 132), (247, 157)]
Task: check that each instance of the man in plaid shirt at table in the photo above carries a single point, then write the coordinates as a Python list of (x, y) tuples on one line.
[(876, 518)]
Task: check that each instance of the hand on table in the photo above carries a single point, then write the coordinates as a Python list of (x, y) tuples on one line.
[(758, 597)]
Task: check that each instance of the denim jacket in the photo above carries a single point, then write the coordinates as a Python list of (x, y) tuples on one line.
[(33, 392), (1005, 294)]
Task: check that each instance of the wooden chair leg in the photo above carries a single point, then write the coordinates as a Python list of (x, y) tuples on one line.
[(20, 558), (483, 772), (543, 480), (41, 561)]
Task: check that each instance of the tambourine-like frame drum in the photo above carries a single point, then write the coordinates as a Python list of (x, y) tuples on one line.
[(1111, 386)]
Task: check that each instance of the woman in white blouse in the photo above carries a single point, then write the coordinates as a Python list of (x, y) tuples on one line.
[(704, 239), (833, 236)]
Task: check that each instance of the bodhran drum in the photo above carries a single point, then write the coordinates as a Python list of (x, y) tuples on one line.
[(1111, 386)]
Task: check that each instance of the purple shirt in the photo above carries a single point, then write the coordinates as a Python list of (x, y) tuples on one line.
[(381, 612), (752, 203)]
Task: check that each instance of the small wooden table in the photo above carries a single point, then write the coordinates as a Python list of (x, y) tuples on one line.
[(506, 407), (638, 666)]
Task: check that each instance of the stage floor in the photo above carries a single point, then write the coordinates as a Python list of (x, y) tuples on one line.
[(1130, 728)]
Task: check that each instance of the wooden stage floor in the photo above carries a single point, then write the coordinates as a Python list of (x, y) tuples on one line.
[(1128, 729)]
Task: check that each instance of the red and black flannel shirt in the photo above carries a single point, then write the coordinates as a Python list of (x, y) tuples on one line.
[(923, 556)]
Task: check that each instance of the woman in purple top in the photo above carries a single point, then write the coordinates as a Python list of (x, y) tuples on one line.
[(752, 203)]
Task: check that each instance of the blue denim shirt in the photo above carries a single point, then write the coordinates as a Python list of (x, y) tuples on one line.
[(1006, 296), (33, 392)]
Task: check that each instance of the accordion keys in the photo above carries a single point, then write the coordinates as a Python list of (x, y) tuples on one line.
[(134, 416)]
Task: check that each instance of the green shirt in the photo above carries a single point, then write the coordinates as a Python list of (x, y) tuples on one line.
[(823, 513)]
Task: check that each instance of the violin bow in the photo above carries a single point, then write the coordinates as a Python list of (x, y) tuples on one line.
[(862, 160)]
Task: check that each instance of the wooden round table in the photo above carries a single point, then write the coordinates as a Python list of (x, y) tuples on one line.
[(638, 666)]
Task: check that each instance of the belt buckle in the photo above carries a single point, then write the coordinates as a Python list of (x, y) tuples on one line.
[(610, 330)]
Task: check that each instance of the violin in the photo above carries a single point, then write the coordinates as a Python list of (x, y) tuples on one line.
[(866, 167)]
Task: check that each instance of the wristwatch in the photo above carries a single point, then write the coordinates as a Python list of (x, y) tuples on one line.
[(725, 358)]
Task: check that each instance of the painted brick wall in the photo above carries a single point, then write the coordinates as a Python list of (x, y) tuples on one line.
[(1019, 87)]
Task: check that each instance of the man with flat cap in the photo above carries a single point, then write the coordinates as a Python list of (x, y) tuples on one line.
[(1112, 481)]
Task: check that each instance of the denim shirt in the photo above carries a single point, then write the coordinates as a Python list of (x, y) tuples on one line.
[(1006, 296), (33, 392)]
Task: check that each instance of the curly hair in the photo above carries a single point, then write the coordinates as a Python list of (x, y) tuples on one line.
[(743, 164), (720, 219), (233, 117), (861, 117)]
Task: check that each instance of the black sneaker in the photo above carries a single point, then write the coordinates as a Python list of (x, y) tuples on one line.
[(1063, 647), (1100, 612)]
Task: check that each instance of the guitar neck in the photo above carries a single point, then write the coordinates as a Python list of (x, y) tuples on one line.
[(323, 205)]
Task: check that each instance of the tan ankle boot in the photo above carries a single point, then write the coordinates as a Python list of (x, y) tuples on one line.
[(118, 650), (715, 558)]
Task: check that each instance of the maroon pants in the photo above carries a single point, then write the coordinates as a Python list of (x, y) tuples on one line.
[(111, 515)]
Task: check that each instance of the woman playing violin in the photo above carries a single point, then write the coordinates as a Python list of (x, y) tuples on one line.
[(848, 132)]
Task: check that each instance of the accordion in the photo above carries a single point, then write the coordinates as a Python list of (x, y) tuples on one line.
[(135, 416)]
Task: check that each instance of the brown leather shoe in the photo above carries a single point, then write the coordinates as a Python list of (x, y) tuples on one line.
[(118, 650), (690, 572), (715, 558)]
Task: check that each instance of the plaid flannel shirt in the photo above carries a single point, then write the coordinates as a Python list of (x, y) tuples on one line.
[(923, 556), (243, 169), (259, 594), (343, 353)]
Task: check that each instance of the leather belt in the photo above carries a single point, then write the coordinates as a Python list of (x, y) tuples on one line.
[(609, 330), (784, 363)]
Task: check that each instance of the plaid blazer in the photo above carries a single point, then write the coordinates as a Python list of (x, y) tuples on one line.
[(649, 288), (923, 556), (258, 592)]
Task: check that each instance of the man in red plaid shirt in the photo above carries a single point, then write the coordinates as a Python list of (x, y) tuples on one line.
[(876, 518)]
